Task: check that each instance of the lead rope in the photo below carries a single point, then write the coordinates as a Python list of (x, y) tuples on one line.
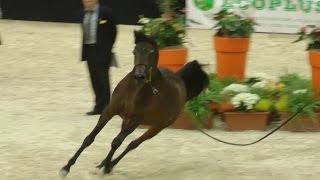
[(254, 142), (154, 90), (150, 75)]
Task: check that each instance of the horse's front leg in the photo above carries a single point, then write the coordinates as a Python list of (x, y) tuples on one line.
[(150, 133), (116, 143), (104, 118)]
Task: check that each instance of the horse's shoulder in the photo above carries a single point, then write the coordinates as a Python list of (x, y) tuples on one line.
[(171, 82), (124, 84), (169, 75)]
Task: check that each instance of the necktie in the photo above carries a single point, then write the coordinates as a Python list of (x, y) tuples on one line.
[(88, 25)]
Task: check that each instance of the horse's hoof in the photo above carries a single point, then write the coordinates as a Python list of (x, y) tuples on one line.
[(63, 172), (108, 170), (101, 171)]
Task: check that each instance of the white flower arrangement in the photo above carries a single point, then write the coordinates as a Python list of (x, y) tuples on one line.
[(300, 91), (260, 84), (266, 84), (144, 20), (236, 88), (262, 76), (246, 100)]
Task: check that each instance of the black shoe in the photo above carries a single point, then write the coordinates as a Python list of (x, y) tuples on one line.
[(94, 112)]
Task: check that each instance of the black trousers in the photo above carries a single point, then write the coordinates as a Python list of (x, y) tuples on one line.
[(99, 74)]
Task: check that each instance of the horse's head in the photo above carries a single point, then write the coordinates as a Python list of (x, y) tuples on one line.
[(145, 56)]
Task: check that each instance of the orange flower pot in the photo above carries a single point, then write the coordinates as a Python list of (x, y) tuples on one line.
[(231, 55), (225, 107), (240, 121), (172, 59), (300, 124), (314, 58), (220, 108), (185, 122), (214, 107)]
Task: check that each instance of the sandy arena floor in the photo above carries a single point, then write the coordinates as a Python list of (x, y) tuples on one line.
[(45, 92)]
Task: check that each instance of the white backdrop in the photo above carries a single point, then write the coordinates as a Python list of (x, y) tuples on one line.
[(279, 16)]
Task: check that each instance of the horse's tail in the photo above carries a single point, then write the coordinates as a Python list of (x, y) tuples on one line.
[(194, 78)]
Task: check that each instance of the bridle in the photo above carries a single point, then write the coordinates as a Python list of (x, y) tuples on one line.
[(148, 79)]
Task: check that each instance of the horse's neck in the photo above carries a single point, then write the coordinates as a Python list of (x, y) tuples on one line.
[(157, 77)]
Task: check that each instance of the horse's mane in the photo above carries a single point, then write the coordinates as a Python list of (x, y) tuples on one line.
[(141, 37)]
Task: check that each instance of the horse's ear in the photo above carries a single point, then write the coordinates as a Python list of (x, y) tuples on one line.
[(136, 34), (139, 35)]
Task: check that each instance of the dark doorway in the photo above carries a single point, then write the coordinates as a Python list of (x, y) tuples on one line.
[(126, 11)]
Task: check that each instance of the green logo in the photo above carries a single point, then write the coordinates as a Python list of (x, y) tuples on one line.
[(204, 5)]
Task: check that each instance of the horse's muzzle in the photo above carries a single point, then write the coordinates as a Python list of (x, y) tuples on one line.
[(140, 72), (139, 76)]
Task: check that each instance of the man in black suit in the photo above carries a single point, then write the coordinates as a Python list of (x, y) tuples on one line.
[(180, 6), (99, 35)]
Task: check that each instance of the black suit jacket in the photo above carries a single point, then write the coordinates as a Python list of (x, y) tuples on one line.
[(179, 5), (106, 35)]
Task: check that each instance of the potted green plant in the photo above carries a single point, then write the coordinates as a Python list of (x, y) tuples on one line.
[(169, 33), (311, 33), (200, 110), (298, 93), (216, 102), (196, 114), (231, 43), (252, 105)]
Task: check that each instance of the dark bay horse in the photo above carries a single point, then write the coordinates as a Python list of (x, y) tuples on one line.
[(147, 95)]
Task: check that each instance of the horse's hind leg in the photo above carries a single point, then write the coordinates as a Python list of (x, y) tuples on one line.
[(117, 141), (150, 133), (104, 118)]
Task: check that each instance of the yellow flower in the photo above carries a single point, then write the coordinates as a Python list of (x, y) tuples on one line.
[(176, 27), (280, 86)]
